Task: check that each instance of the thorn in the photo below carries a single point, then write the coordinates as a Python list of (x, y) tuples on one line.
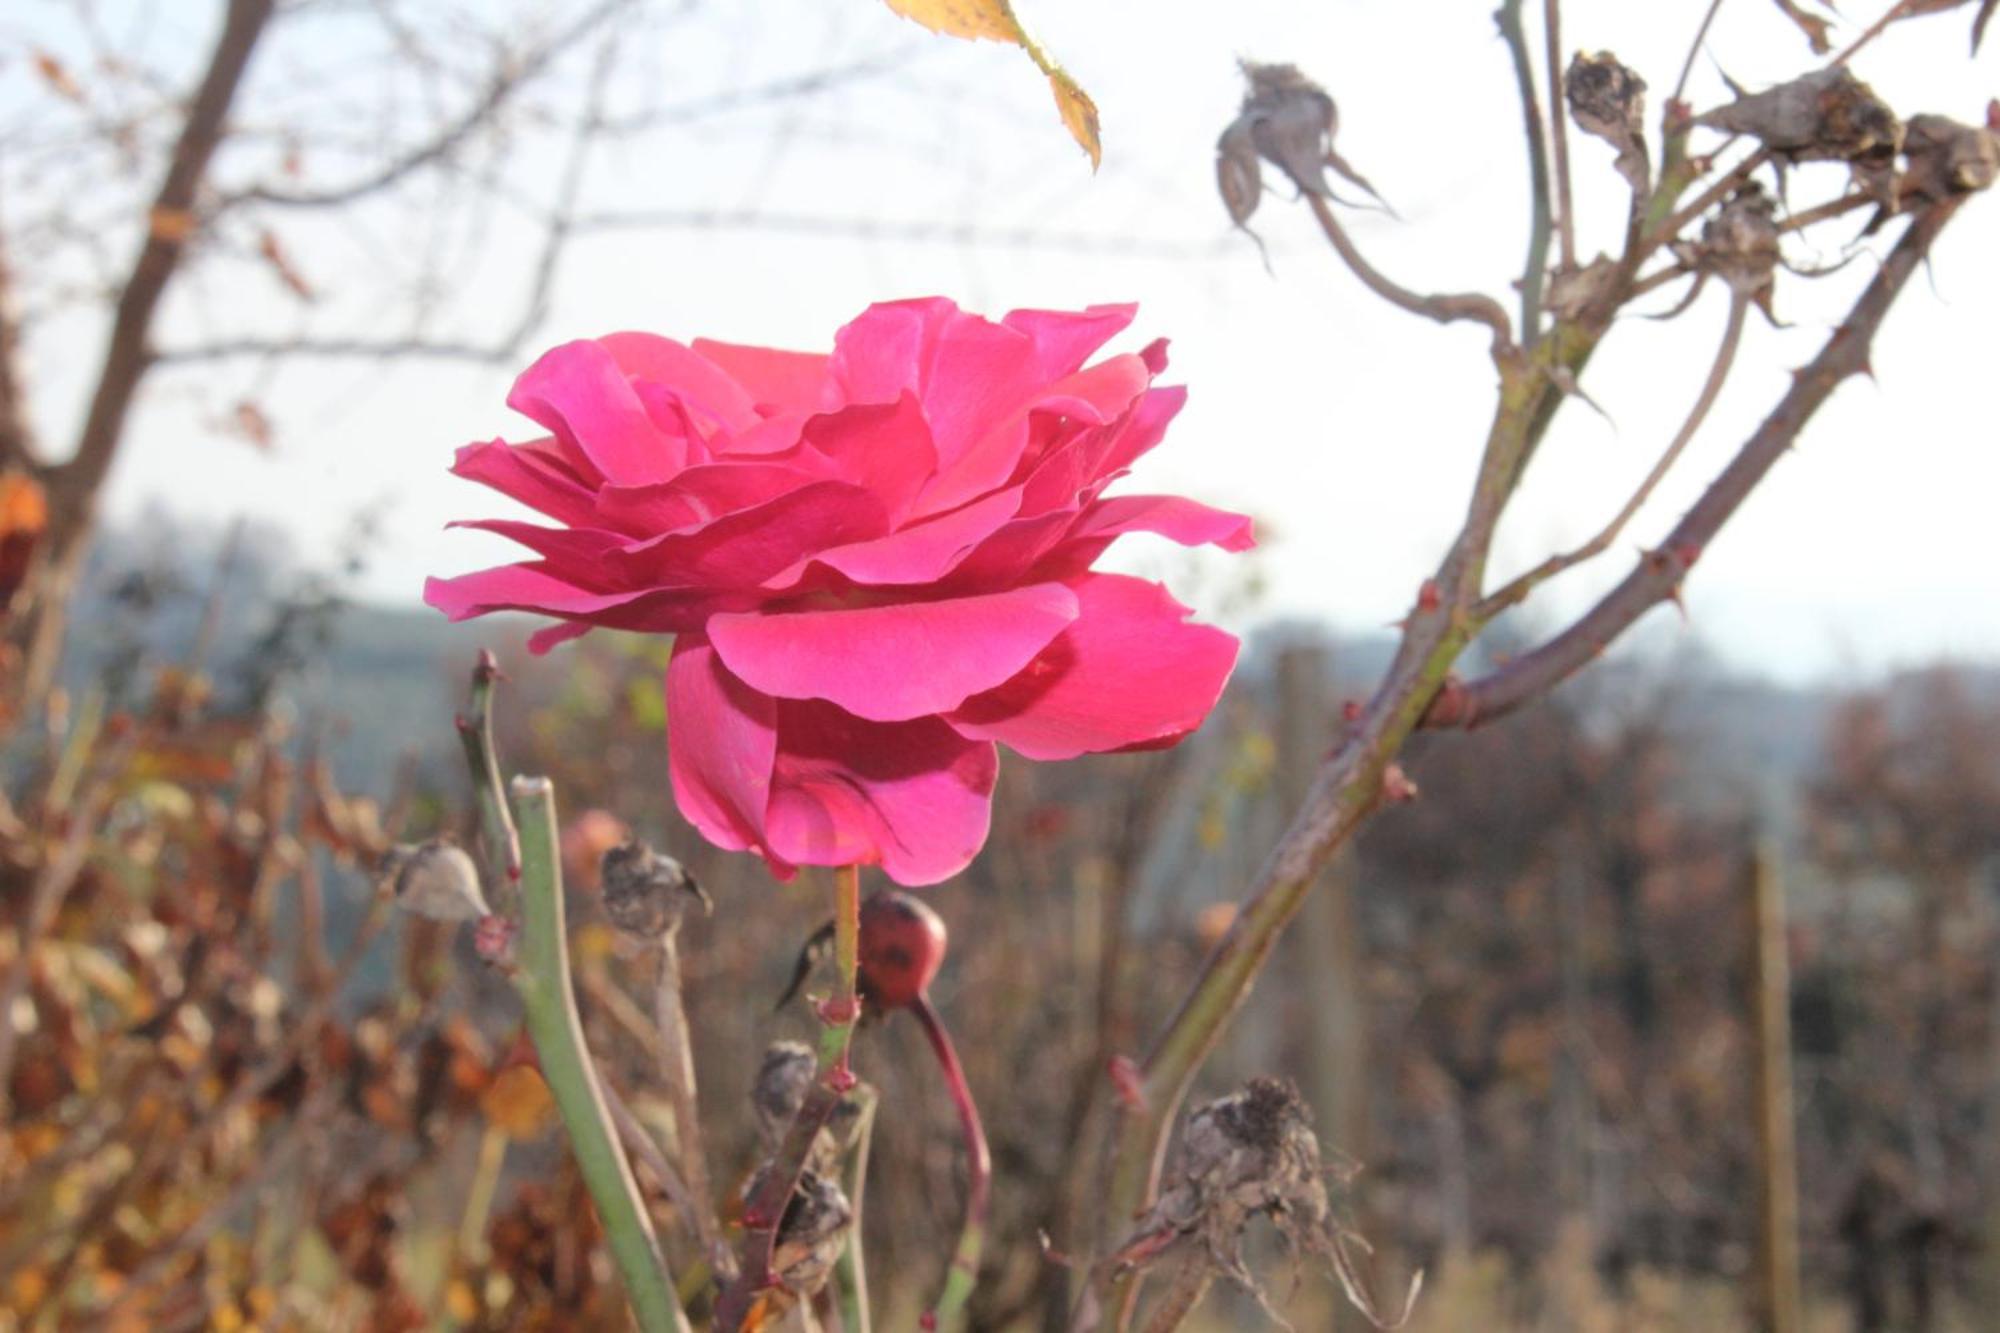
[(1678, 116), (838, 1012), (1397, 789), (1674, 596), (462, 722), (1350, 711), (928, 1321), (493, 940), (1687, 553), (840, 1079), (1428, 597), (1128, 1082)]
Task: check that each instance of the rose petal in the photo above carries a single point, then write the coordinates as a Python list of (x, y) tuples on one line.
[(890, 663), (533, 586), (722, 741), (695, 380), (914, 797), (1065, 339), (927, 551), (580, 392), (530, 474), (776, 381), (1130, 673), (1188, 522), (743, 549), (698, 495), (884, 447)]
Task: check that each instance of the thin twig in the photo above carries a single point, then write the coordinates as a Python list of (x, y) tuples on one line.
[(1818, 213), (1694, 50), (1194, 1272), (1660, 573), (1535, 271), (1718, 374), (676, 1050), (510, 76), (1718, 190), (639, 1142), (1874, 30), (1445, 309), (1559, 129)]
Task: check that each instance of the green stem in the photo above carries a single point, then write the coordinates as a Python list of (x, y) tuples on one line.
[(765, 1208), (852, 1271), (964, 1272), (542, 976), (1540, 223)]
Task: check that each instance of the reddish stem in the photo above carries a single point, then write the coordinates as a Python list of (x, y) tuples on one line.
[(978, 1160)]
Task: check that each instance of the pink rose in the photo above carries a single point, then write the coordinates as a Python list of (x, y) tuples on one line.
[(877, 563)]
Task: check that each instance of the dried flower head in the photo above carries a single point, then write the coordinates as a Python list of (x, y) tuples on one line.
[(1609, 100), (1825, 116), (434, 879), (811, 1235), (1945, 159), (645, 892)]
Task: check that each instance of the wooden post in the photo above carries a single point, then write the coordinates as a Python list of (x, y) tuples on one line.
[(1777, 1296)]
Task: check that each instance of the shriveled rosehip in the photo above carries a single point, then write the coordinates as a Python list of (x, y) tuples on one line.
[(902, 948)]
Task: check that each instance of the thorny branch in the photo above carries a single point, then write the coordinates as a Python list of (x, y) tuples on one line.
[(1536, 270), (1419, 689), (1659, 574), (1711, 389)]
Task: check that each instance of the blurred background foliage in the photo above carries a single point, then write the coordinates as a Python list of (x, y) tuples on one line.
[(243, 1093)]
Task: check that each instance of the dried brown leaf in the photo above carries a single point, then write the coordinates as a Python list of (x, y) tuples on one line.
[(57, 76), (995, 20), (1815, 28), (1608, 100), (272, 251)]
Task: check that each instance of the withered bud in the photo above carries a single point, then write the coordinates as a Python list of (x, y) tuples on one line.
[(1739, 244), (782, 1080), (646, 892), (1248, 1154), (1237, 175), (1609, 100), (434, 879), (1946, 159), (811, 1235), (1290, 121), (1825, 116)]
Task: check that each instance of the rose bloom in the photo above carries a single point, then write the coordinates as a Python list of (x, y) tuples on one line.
[(877, 564)]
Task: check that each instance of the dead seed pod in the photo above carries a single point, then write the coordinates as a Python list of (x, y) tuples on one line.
[(1825, 116), (1608, 100), (434, 879), (811, 1235), (1290, 121), (1739, 243), (1250, 1154), (784, 1077), (1945, 159), (645, 893)]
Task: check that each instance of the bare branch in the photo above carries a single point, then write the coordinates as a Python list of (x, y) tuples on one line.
[(1536, 270), (1659, 574), (777, 90), (77, 481), (1719, 189), (1872, 31), (16, 434), (1445, 309), (1559, 130), (1711, 389), (509, 78)]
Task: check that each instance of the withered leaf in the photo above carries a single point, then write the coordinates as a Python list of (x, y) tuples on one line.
[(57, 76), (1814, 27), (273, 253), (1237, 174), (995, 20)]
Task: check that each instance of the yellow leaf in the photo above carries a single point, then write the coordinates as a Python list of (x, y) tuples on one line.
[(1078, 113), (518, 1102), (171, 224), (994, 20)]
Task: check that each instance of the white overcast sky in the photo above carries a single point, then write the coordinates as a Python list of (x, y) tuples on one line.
[(1348, 427)]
